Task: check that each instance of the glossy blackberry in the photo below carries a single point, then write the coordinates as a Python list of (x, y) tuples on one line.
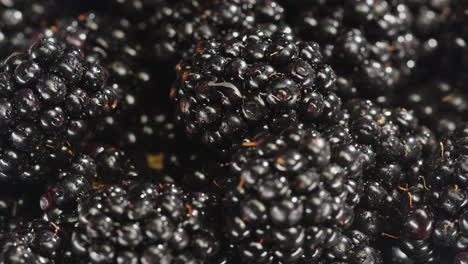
[(20, 20), (394, 207), (432, 226), (145, 224), (290, 198), (50, 97), (36, 241), (105, 165), (370, 43), (112, 42), (227, 90), (178, 25), (396, 149)]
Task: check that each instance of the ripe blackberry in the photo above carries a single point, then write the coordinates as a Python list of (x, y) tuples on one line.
[(177, 26), (396, 148), (36, 241), (290, 198), (432, 218), (20, 20), (50, 96), (111, 42), (393, 209), (145, 223), (226, 90), (370, 43), (105, 165)]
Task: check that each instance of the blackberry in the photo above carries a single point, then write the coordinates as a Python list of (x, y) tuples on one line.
[(145, 223), (50, 97), (447, 197), (432, 219), (36, 241), (111, 42), (177, 26), (105, 165), (22, 20), (226, 90), (370, 43), (397, 150), (290, 198)]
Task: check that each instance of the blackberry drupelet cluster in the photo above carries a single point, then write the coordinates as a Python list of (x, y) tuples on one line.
[(20, 21), (228, 90), (36, 241), (444, 201), (145, 223), (49, 99), (112, 42), (396, 151), (179, 25), (290, 198), (370, 44), (433, 220), (105, 165)]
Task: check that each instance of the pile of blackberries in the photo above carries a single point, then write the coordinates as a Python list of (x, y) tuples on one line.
[(233, 132)]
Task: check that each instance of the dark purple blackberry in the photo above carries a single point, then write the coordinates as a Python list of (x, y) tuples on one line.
[(396, 148), (370, 43), (146, 223), (111, 42), (227, 90), (290, 198), (394, 207), (105, 165), (49, 98), (22, 20), (178, 25), (433, 216), (447, 194), (36, 241)]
